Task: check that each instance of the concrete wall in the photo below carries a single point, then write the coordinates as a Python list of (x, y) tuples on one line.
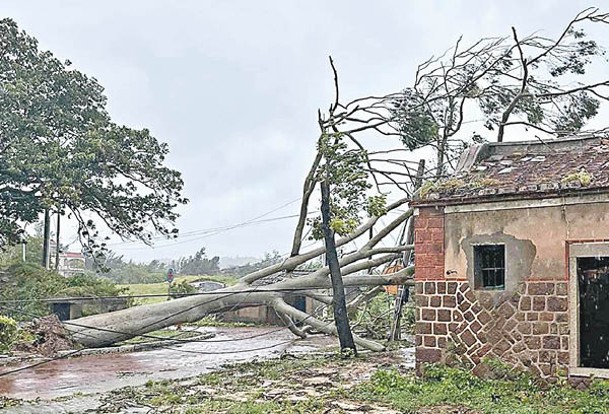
[(526, 324)]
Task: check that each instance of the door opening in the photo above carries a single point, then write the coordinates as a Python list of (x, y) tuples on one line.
[(593, 287)]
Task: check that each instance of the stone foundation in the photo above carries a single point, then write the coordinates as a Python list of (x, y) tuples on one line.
[(529, 328)]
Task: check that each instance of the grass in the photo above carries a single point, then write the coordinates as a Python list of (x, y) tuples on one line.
[(161, 288), (450, 387), (321, 384)]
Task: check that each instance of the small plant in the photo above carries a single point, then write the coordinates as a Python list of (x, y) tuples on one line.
[(9, 333), (455, 183), (483, 183), (182, 288), (582, 176), (427, 188)]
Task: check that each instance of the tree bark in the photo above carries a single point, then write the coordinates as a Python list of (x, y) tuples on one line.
[(107, 328), (339, 305)]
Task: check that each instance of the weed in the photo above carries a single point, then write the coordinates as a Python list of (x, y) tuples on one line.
[(582, 176)]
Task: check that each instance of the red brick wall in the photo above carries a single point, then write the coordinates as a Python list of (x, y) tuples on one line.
[(429, 244)]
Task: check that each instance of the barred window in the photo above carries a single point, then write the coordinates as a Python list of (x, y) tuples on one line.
[(489, 266)]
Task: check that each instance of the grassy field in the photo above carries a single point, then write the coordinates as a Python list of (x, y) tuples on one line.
[(161, 288)]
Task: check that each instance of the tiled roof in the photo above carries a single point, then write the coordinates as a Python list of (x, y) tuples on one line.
[(524, 170)]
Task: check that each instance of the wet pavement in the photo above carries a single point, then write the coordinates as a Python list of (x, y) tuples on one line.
[(76, 385), (102, 373)]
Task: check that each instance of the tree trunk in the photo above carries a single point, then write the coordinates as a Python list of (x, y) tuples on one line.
[(339, 304), (107, 328), (258, 289)]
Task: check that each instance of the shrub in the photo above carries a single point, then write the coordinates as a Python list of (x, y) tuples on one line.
[(8, 333)]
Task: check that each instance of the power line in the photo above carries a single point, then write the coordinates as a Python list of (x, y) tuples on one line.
[(189, 239), (216, 230)]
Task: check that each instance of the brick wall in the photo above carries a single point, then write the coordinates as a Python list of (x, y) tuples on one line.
[(429, 243), (528, 328)]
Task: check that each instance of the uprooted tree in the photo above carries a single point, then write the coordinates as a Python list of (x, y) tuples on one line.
[(508, 81)]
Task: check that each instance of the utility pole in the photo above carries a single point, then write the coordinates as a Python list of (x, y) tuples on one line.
[(46, 242), (339, 304), (57, 242), (403, 292)]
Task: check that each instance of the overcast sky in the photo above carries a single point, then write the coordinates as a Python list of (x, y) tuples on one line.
[(234, 86)]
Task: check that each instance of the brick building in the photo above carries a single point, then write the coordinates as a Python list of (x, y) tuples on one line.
[(512, 259)]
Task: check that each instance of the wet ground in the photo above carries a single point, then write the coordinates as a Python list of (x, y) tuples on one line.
[(94, 374)]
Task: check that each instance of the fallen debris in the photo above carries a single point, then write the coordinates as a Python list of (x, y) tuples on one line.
[(49, 337)]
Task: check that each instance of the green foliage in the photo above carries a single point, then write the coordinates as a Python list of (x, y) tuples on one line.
[(116, 269), (29, 283), (199, 264), (181, 288), (344, 169), (416, 122), (60, 150), (160, 288), (555, 97), (375, 316), (84, 285), (13, 254), (8, 333)]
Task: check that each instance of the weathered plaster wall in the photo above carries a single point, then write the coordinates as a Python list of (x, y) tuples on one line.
[(538, 232)]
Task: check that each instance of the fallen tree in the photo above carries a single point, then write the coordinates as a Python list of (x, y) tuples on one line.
[(509, 87), (103, 329), (354, 179)]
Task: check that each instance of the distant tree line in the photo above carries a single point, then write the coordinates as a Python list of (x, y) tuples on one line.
[(269, 259)]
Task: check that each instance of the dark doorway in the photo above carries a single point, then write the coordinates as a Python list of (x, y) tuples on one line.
[(300, 303), (62, 310), (593, 282)]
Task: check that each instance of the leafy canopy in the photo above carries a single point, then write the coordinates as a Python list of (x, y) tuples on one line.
[(60, 150), (344, 169), (540, 83)]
